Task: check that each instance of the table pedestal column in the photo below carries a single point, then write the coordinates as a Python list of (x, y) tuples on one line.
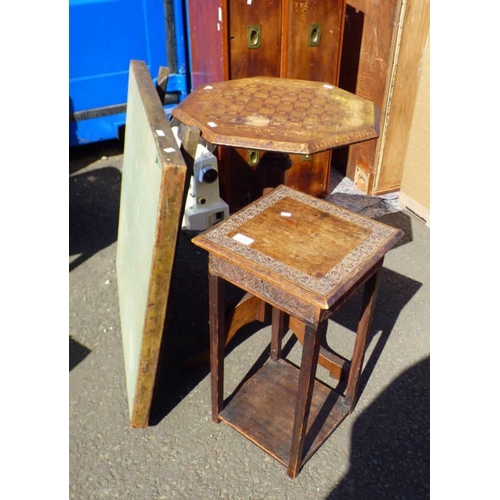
[(272, 167)]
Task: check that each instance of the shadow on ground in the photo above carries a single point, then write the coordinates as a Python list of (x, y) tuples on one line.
[(86, 154), (77, 353), (94, 200), (394, 293), (184, 360), (390, 444)]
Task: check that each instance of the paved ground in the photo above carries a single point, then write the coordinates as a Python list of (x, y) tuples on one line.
[(380, 451)]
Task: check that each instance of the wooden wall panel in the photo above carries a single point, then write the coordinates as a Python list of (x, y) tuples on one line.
[(415, 184), (394, 143), (208, 41), (370, 32), (382, 52)]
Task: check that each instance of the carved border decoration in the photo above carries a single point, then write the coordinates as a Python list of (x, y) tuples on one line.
[(380, 233)]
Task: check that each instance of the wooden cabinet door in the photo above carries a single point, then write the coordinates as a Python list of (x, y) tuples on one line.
[(310, 173), (254, 49), (311, 47), (312, 39), (254, 44), (254, 38)]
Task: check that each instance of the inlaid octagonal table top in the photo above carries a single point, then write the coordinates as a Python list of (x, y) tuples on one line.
[(279, 114)]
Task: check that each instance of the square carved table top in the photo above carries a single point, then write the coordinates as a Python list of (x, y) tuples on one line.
[(309, 247), (279, 114)]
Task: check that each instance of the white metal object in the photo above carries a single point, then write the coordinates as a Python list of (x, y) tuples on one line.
[(204, 206)]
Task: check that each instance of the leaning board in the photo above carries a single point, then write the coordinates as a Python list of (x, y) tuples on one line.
[(151, 203)]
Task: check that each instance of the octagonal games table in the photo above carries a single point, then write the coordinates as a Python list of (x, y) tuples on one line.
[(278, 116)]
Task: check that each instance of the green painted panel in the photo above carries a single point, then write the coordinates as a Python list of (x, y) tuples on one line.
[(150, 210)]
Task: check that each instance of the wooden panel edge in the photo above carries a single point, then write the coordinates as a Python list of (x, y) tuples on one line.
[(170, 208)]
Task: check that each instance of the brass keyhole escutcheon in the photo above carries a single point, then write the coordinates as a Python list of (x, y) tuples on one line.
[(253, 157), (314, 35), (254, 36)]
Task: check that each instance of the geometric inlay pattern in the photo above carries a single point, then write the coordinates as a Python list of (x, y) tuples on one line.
[(279, 114)]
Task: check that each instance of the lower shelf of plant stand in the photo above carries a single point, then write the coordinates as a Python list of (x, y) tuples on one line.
[(263, 411)]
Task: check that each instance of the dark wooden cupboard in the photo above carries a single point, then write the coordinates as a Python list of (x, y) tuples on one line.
[(372, 48)]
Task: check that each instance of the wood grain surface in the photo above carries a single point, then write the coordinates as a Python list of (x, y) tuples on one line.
[(312, 248), (279, 114)]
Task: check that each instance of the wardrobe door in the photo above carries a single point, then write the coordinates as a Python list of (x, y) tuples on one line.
[(254, 38), (312, 40), (254, 50), (312, 45)]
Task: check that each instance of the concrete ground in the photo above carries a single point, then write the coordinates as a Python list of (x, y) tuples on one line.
[(380, 451)]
